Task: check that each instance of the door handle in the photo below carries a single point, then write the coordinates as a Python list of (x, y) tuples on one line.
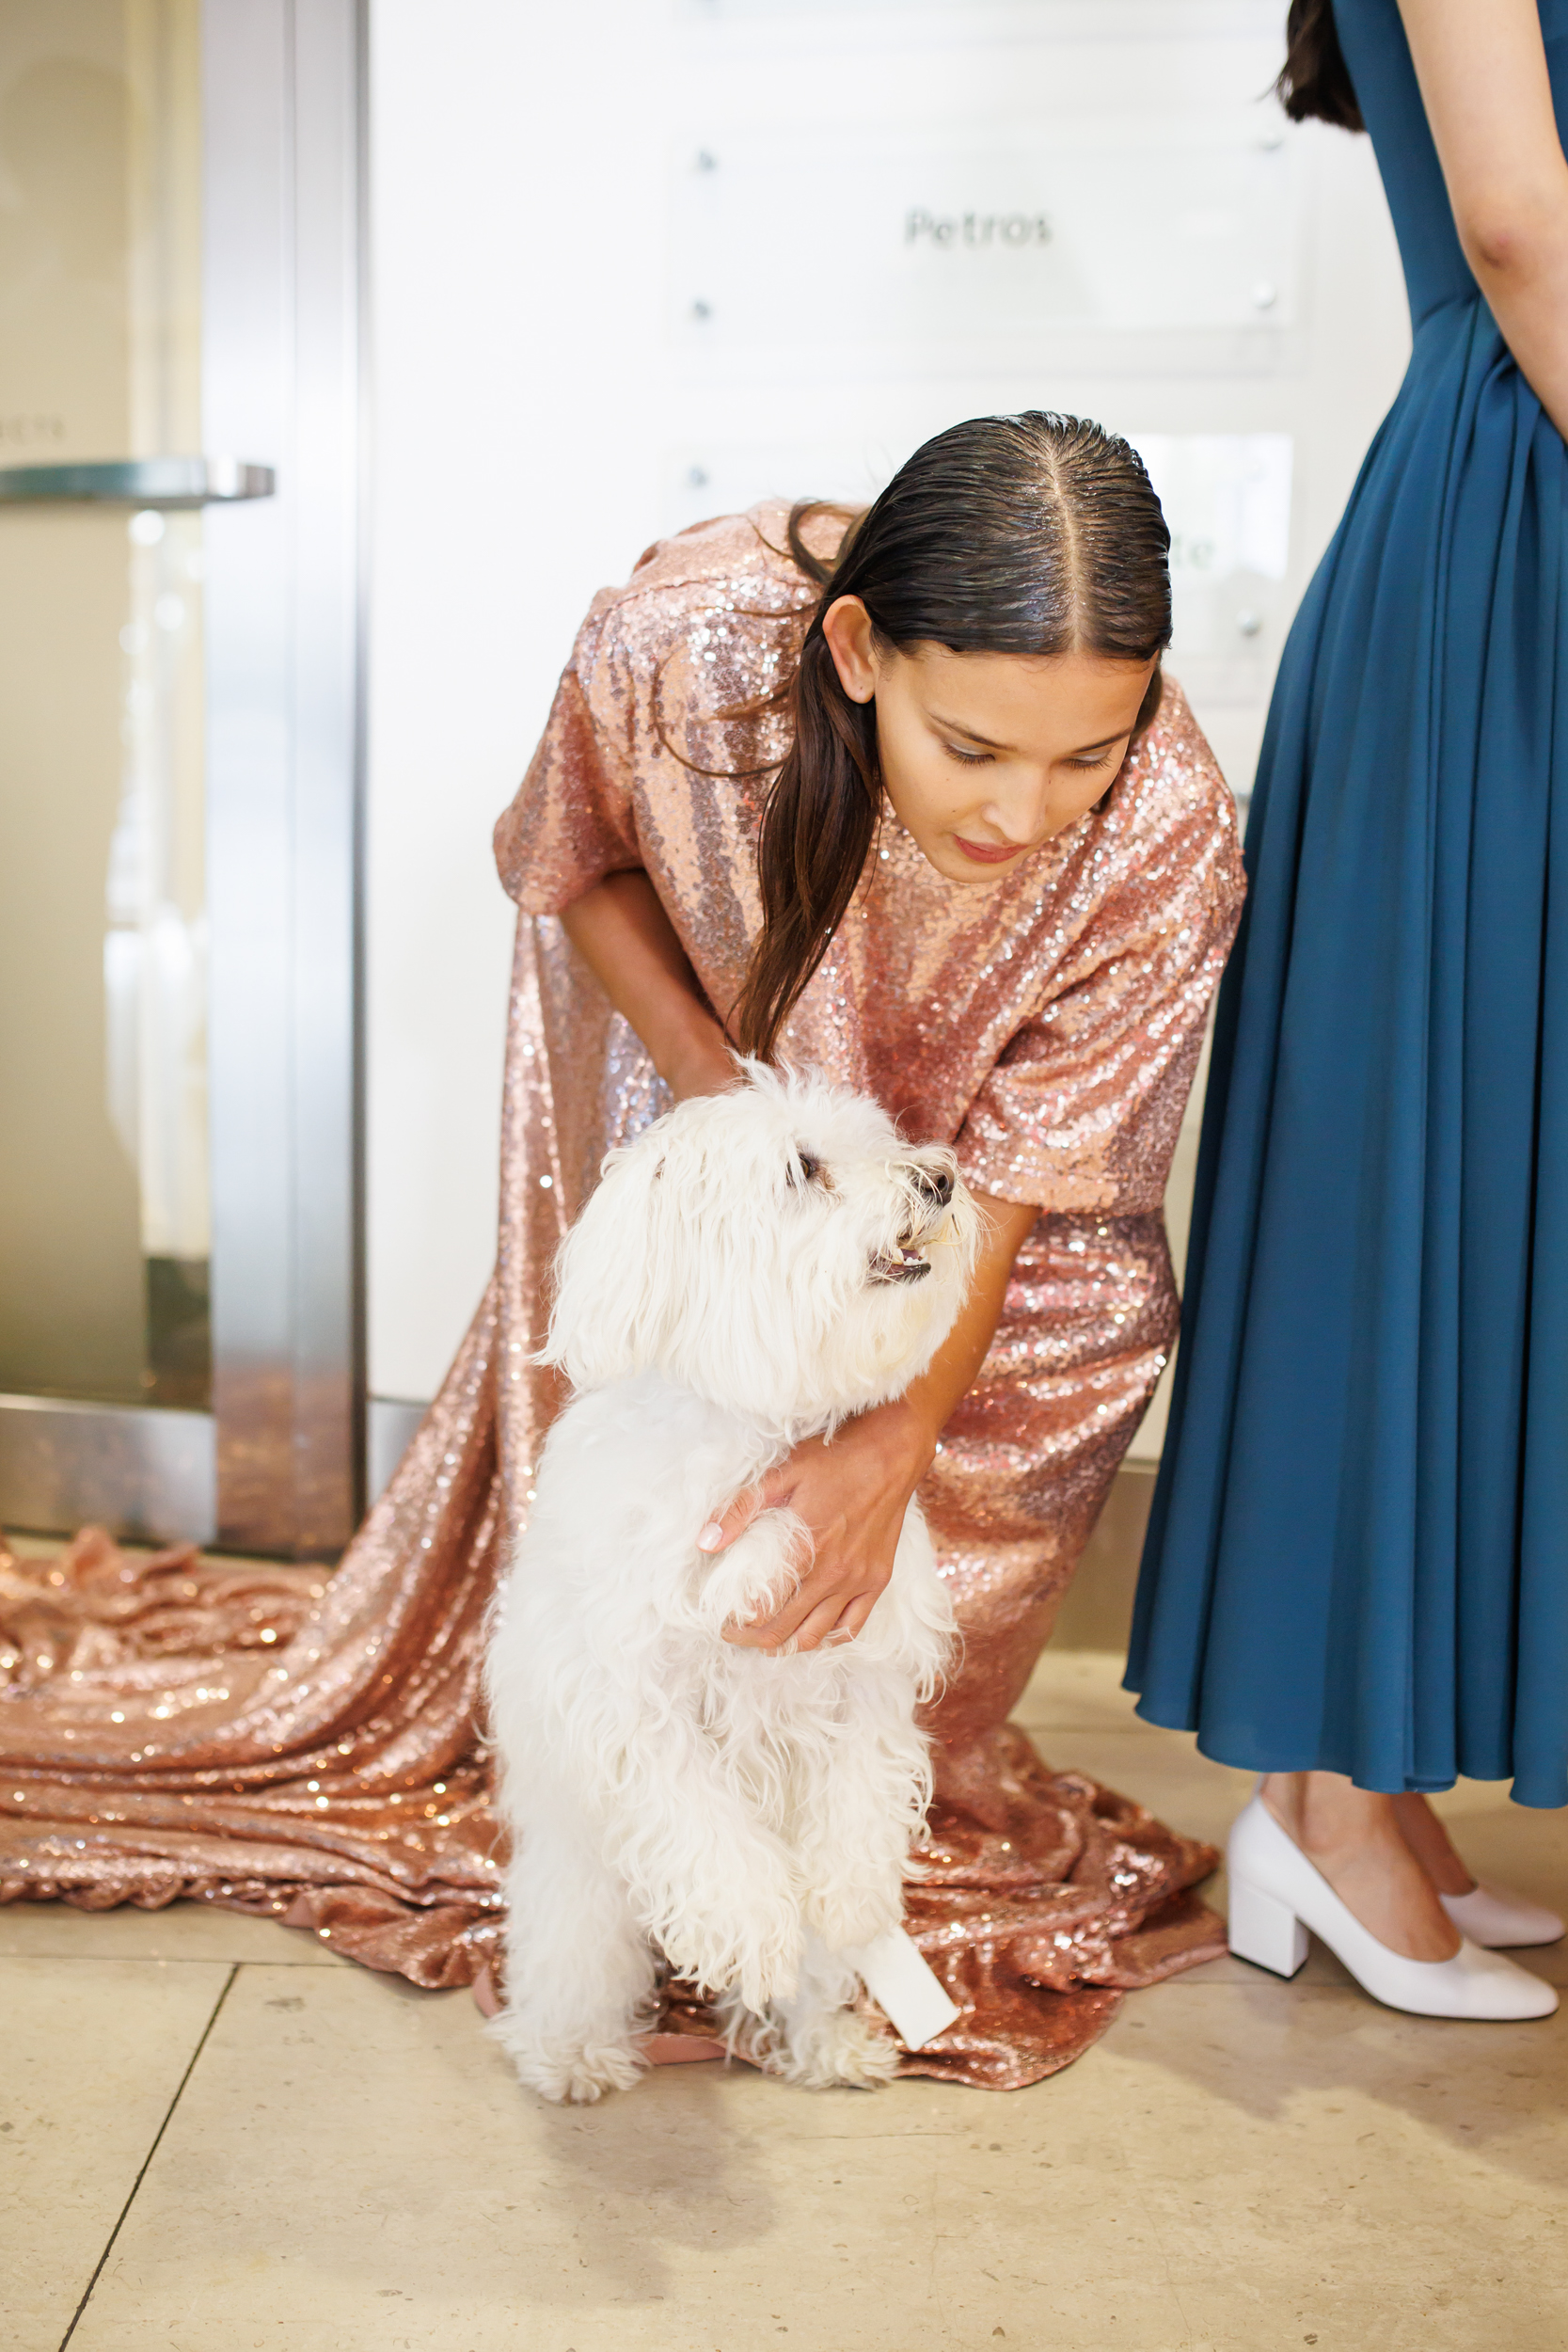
[(138, 481)]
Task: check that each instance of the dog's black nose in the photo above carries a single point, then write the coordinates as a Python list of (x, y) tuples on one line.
[(936, 1184)]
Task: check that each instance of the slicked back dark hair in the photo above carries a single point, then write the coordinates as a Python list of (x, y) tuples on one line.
[(1029, 534)]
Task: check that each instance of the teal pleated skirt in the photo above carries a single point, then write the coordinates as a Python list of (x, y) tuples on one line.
[(1358, 1554)]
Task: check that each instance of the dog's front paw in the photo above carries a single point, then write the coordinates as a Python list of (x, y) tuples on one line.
[(751, 1581)]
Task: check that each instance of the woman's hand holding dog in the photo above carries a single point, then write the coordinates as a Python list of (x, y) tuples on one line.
[(853, 1490)]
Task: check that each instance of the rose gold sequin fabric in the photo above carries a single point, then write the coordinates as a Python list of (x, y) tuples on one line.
[(273, 1740)]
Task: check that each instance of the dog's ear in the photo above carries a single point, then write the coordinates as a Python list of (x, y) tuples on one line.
[(614, 1301)]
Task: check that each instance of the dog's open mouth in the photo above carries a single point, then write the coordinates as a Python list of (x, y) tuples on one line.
[(907, 1266)]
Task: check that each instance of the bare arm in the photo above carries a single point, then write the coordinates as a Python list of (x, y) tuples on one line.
[(853, 1493), (1482, 66), (622, 931)]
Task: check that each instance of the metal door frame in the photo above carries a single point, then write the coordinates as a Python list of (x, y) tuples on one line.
[(277, 1466)]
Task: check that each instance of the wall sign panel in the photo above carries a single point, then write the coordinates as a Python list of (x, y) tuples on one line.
[(704, 480), (1227, 498), (976, 19), (1128, 242)]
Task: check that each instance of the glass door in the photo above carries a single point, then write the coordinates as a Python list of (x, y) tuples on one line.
[(104, 1217), (179, 1284)]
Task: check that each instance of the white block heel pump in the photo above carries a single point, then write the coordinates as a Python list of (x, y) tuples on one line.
[(1275, 1895), (1265, 1931)]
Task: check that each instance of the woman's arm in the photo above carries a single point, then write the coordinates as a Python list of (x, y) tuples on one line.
[(1482, 72), (623, 935), (853, 1492)]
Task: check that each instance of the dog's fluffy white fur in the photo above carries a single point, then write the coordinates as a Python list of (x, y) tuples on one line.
[(756, 1266)]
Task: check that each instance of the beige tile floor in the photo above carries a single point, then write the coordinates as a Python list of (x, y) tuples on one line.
[(216, 2136)]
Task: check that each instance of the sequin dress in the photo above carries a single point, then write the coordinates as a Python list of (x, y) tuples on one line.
[(309, 1747)]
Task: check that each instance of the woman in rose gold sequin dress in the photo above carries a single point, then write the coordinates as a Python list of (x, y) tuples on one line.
[(937, 827)]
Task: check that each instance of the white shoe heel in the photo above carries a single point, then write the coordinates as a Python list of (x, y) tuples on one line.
[(1265, 1931), (1275, 1895)]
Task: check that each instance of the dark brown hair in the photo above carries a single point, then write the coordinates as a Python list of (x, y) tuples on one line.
[(1314, 79), (1027, 535)]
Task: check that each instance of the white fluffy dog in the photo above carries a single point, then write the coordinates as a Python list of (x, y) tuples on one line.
[(753, 1268)]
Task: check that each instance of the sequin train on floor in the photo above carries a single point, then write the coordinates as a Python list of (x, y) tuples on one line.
[(307, 1745)]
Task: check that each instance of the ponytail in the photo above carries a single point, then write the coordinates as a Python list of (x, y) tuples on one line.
[(1314, 79), (818, 825)]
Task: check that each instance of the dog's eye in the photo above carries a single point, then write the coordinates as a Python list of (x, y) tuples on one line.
[(807, 1170)]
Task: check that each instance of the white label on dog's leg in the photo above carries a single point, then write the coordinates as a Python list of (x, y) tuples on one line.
[(896, 1976)]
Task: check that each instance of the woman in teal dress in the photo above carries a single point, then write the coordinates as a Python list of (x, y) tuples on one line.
[(1356, 1575)]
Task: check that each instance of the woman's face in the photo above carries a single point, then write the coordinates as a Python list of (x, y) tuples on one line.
[(986, 755)]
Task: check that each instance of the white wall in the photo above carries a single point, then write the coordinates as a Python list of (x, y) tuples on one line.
[(547, 399)]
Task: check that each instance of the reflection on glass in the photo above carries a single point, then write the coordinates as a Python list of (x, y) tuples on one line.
[(154, 949), (103, 1208)]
